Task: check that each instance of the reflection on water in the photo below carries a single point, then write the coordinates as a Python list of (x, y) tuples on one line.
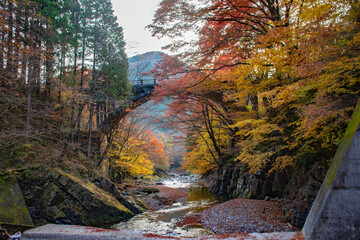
[(163, 222)]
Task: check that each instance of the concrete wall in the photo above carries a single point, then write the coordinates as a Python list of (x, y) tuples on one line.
[(335, 213)]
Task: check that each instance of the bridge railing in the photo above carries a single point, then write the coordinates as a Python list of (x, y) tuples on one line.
[(143, 82)]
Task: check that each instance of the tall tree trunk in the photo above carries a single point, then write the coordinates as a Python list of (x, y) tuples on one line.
[(94, 67), (24, 55), (76, 20), (78, 120), (91, 115), (62, 63), (18, 31), (102, 112), (82, 63), (81, 105), (10, 37), (28, 114), (2, 49), (75, 67), (24, 64), (72, 130), (29, 95), (49, 66), (49, 70), (38, 70), (37, 60), (33, 62), (2, 41), (97, 114)]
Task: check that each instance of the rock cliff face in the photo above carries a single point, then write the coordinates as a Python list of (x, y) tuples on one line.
[(61, 197), (234, 182), (298, 189)]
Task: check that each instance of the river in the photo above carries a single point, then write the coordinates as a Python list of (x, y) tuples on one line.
[(163, 222)]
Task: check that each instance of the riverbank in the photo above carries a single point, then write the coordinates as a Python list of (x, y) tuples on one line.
[(246, 216), (238, 216), (241, 216), (236, 219)]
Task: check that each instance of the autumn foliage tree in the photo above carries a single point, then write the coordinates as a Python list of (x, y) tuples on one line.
[(136, 151), (285, 74)]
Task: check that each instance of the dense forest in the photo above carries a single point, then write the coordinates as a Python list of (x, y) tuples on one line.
[(63, 70)]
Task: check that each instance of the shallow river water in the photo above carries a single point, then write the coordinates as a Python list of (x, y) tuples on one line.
[(163, 222)]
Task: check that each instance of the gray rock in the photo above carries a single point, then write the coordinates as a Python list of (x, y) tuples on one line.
[(60, 197), (299, 216)]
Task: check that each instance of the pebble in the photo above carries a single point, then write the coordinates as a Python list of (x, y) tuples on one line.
[(245, 216)]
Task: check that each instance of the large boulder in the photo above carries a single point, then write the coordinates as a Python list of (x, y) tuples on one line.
[(97, 205), (134, 204), (65, 198)]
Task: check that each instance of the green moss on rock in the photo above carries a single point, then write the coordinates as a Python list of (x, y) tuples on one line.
[(13, 209), (97, 192), (98, 206)]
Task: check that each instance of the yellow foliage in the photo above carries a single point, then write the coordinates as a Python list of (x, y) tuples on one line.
[(135, 165), (255, 128), (131, 160), (305, 75), (199, 160), (257, 136), (202, 157), (137, 154), (256, 161), (281, 163)]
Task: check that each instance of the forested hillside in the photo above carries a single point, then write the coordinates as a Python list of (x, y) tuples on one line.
[(63, 69), (63, 72), (265, 93)]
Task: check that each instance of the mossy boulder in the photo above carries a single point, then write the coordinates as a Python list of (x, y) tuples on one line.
[(94, 205), (64, 197), (134, 204)]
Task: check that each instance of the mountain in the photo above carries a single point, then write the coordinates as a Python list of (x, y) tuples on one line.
[(143, 63)]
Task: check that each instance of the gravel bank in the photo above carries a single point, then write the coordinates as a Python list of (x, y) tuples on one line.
[(246, 216)]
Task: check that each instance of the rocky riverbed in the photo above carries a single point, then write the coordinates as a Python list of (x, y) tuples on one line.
[(246, 216), (238, 216), (177, 208)]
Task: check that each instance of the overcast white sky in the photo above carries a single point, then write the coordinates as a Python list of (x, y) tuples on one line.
[(134, 16)]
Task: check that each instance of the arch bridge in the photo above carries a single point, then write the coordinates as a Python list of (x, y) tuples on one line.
[(141, 93)]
